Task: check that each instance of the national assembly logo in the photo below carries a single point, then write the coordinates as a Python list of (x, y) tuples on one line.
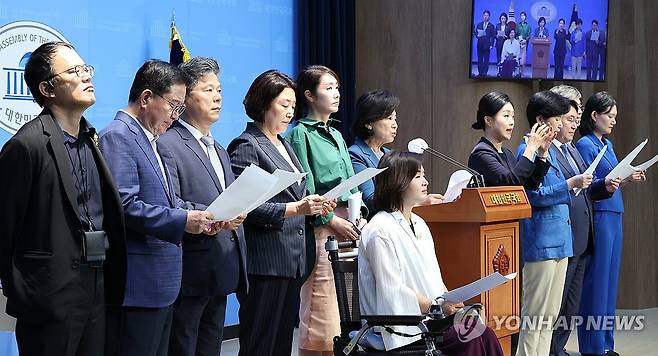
[(17, 41)]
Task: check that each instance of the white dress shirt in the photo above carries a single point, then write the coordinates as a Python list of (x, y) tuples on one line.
[(395, 264), (210, 151), (511, 46), (153, 141)]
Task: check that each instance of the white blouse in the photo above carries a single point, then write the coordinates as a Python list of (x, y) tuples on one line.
[(394, 264)]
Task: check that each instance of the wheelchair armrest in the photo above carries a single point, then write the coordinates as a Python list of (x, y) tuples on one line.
[(397, 320), (440, 325)]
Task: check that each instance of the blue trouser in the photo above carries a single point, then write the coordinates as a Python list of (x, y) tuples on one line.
[(599, 297)]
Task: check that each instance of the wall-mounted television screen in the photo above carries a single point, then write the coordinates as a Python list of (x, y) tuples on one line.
[(528, 39)]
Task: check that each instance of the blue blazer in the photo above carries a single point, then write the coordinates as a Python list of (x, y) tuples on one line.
[(363, 157), (214, 265), (580, 209), (155, 221), (589, 147), (547, 234)]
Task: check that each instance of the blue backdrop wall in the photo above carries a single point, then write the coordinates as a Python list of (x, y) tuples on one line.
[(116, 37)]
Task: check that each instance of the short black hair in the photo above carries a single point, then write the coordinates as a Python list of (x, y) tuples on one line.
[(264, 89), (579, 21), (595, 22), (541, 19), (157, 76), (486, 12), (523, 13), (196, 68), (391, 183), (503, 14), (546, 104), (601, 103), (489, 105), (40, 66), (371, 107)]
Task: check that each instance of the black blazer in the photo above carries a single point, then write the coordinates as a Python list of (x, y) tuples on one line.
[(497, 171), (40, 228), (580, 209), (275, 245), (211, 265)]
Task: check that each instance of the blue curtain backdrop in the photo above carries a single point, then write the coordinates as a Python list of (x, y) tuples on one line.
[(116, 37)]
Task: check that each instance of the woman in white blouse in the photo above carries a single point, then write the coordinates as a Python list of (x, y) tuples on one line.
[(511, 48), (398, 270)]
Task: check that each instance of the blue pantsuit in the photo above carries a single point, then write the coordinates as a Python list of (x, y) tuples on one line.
[(599, 297)]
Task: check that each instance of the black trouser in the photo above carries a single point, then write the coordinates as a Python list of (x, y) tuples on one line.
[(268, 315), (483, 61), (592, 66), (81, 333), (559, 65), (198, 326), (137, 331), (573, 285)]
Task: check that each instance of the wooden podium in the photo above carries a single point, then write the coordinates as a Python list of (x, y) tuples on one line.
[(476, 235), (541, 49)]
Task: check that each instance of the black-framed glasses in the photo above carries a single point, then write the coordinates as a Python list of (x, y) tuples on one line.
[(80, 70), (176, 109)]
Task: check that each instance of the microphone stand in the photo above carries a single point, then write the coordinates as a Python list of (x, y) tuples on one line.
[(477, 181)]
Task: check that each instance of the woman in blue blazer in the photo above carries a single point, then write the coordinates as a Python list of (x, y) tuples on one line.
[(602, 272), (375, 126), (546, 236), (498, 164)]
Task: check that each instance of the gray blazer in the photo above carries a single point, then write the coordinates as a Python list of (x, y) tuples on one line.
[(275, 245)]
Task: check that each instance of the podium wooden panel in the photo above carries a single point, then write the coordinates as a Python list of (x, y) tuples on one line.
[(477, 235), (541, 50)]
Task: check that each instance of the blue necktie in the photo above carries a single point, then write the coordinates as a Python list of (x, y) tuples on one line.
[(567, 155)]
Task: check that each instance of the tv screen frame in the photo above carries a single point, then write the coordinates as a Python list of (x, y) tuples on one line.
[(534, 9)]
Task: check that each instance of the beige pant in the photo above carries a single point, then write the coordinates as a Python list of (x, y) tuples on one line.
[(319, 321), (576, 67), (543, 284)]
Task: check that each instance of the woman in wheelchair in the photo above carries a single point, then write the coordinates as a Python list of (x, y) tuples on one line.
[(398, 270), (509, 59)]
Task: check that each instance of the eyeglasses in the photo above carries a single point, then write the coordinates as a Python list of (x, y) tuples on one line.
[(80, 70), (176, 109), (573, 120)]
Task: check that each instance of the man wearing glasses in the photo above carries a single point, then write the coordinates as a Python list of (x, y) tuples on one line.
[(62, 240), (155, 218), (580, 214)]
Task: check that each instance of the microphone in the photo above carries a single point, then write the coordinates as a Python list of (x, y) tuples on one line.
[(418, 145)]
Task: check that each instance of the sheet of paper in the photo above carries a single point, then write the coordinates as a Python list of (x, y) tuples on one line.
[(624, 169), (646, 165), (352, 182), (249, 187), (458, 181), (284, 179), (595, 36), (592, 167), (481, 33), (478, 287), (501, 33)]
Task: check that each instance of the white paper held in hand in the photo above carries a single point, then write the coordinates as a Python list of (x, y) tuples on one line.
[(646, 165), (284, 179), (352, 182), (478, 287), (249, 187), (592, 167), (624, 169), (458, 181)]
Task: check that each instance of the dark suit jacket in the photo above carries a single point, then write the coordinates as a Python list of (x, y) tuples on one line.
[(40, 228), (211, 265), (155, 218), (580, 209), (593, 48), (561, 38), (485, 42), (275, 245), (497, 171)]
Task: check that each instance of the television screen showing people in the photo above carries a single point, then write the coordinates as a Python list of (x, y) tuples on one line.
[(530, 39)]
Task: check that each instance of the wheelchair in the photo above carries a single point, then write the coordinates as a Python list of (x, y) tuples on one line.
[(345, 269), (509, 68)]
